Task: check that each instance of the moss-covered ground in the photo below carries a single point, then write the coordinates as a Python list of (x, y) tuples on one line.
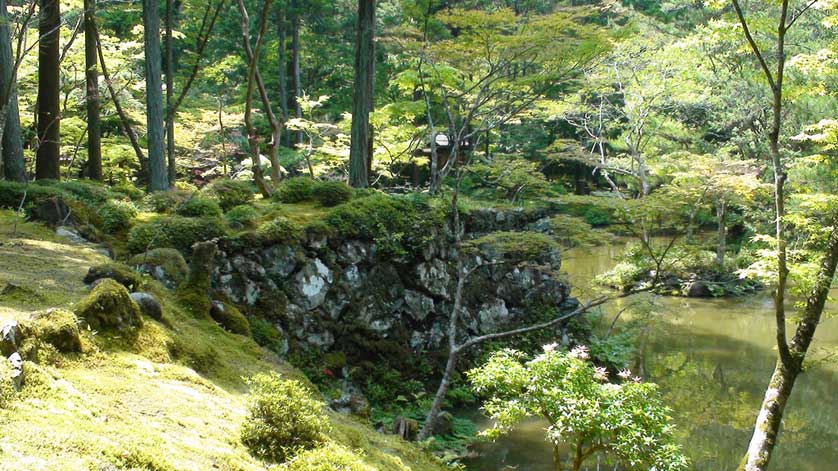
[(171, 396)]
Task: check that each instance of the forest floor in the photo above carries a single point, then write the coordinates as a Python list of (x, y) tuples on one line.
[(171, 398)]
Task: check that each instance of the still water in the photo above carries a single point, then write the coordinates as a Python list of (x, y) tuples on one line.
[(712, 359)]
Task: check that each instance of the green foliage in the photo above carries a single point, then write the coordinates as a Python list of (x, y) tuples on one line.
[(266, 334), (397, 225), (627, 421), (242, 216), (509, 177), (231, 193), (129, 190), (166, 201), (294, 190), (175, 232), (575, 231), (280, 229), (282, 420), (330, 457), (198, 206), (614, 351), (332, 193), (116, 215)]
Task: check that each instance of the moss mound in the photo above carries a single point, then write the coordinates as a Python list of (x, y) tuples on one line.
[(514, 246), (7, 388), (175, 232), (294, 190), (230, 318), (231, 193), (280, 229), (109, 306), (283, 419), (242, 217), (55, 327), (164, 265), (122, 274), (330, 457), (116, 215), (198, 207), (332, 193)]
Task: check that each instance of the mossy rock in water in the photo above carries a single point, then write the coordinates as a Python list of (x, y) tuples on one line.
[(164, 265), (109, 306), (230, 318), (122, 274)]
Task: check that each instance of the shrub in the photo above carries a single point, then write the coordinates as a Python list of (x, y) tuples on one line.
[(265, 334), (165, 265), (116, 215), (231, 193), (282, 420), (242, 216), (174, 232), (294, 190), (332, 193), (166, 201), (198, 206), (397, 225), (230, 318), (281, 229), (330, 457)]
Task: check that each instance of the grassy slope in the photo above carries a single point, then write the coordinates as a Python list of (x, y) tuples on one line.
[(139, 403)]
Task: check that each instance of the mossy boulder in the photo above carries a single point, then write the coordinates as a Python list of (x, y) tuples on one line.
[(230, 318), (164, 265), (109, 306), (122, 274), (55, 327), (194, 294)]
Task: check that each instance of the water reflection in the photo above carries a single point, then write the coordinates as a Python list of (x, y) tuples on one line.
[(712, 359)]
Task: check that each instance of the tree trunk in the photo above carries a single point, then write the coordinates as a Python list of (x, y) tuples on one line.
[(721, 247), (170, 93), (47, 163), (91, 76), (294, 65), (360, 146), (158, 175), (281, 27), (767, 426), (11, 143)]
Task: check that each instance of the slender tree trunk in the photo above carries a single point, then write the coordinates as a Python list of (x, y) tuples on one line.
[(47, 163), (281, 28), (11, 143), (91, 76), (170, 93), (721, 247), (294, 65), (360, 146), (158, 175)]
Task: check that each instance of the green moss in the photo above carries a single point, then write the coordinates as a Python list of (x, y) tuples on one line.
[(169, 261), (7, 388), (230, 318), (199, 207), (166, 201), (283, 419), (265, 333), (332, 193), (123, 274), (514, 246), (109, 306), (175, 232), (397, 225), (280, 229), (330, 457), (294, 190), (232, 193), (129, 190), (55, 327), (242, 217)]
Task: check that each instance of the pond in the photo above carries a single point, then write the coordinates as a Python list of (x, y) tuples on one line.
[(712, 359)]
